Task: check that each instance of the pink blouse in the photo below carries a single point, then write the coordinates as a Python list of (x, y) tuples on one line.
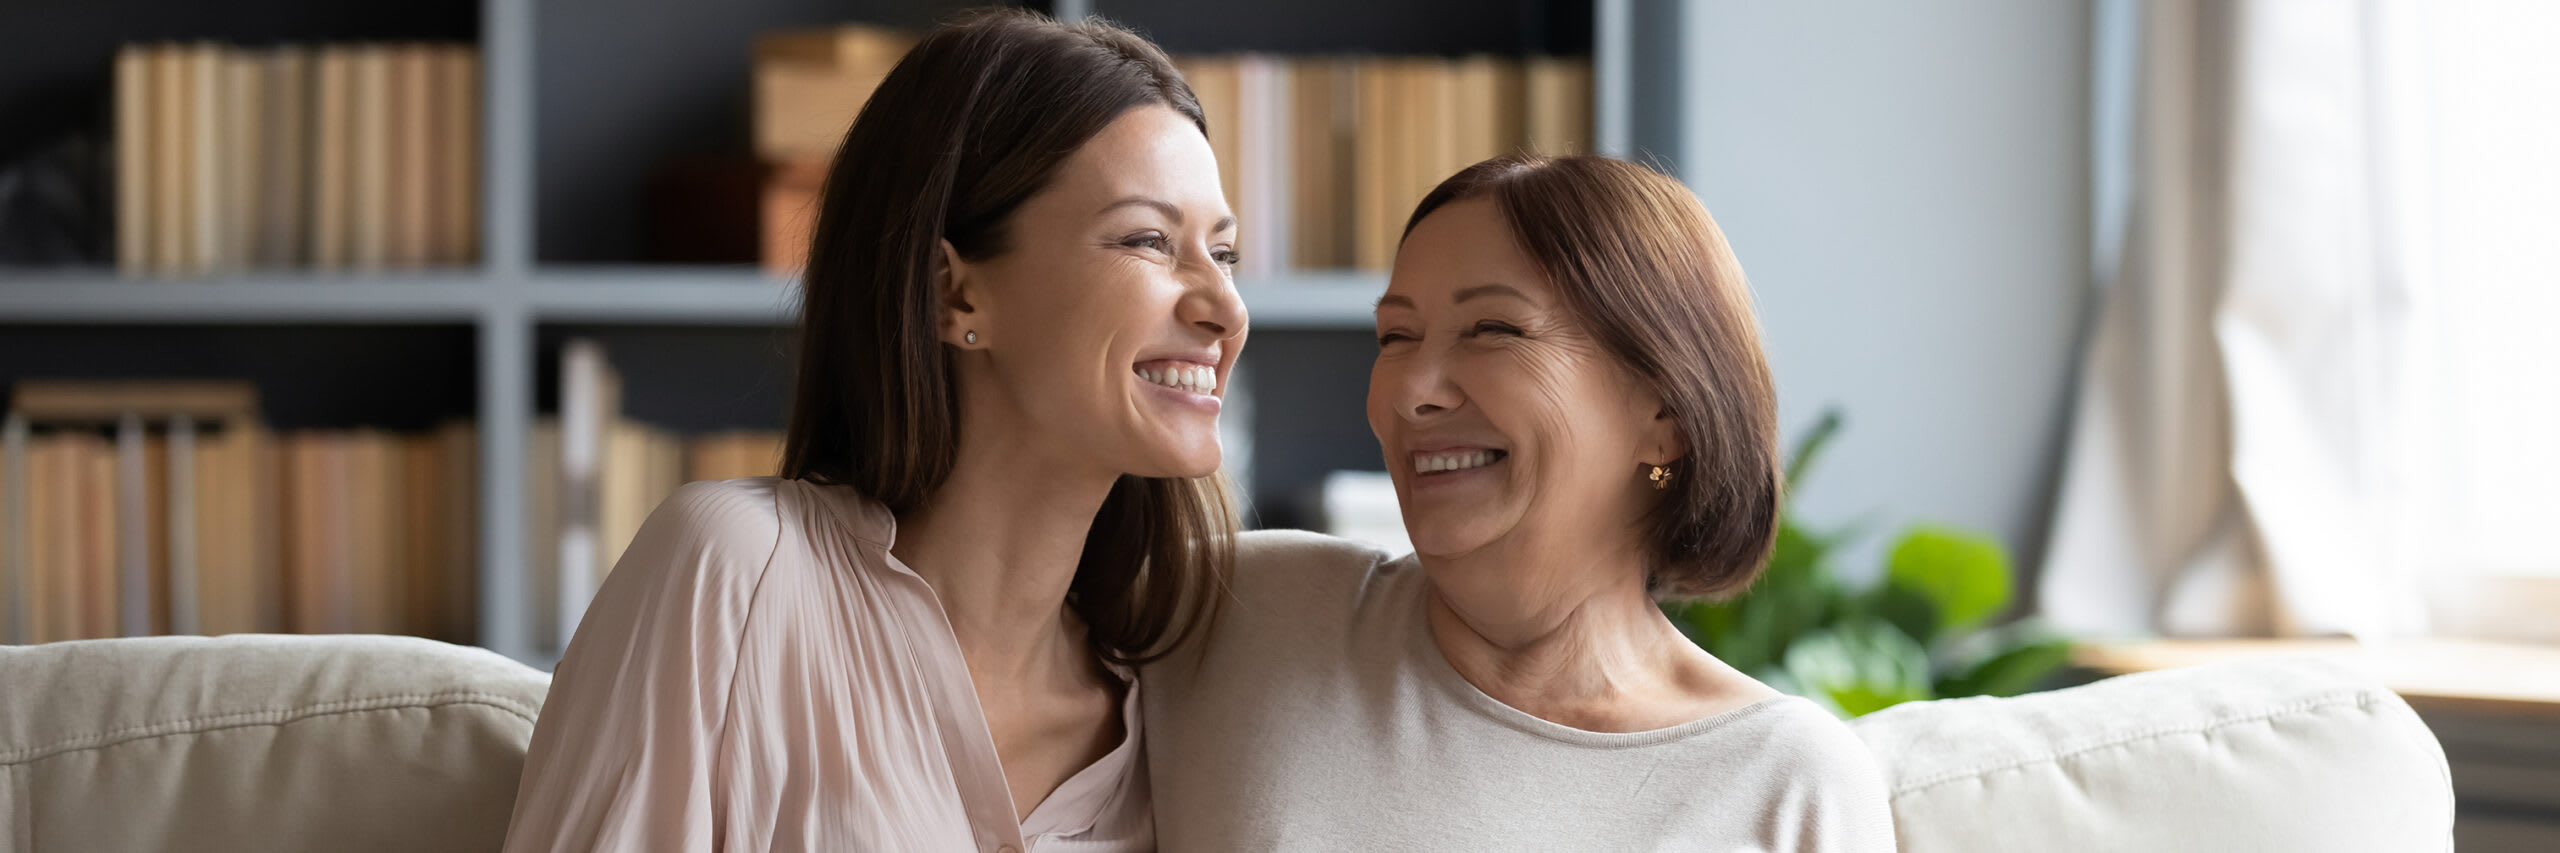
[(758, 673)]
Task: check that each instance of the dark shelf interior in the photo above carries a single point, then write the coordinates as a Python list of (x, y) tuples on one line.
[(1444, 27), (687, 379), (58, 84), (308, 377)]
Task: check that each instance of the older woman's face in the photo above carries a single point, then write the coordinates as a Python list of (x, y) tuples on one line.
[(1502, 421)]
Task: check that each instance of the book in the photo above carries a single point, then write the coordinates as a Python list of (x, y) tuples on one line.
[(94, 524), (369, 197), (175, 495), (319, 557), (232, 491), (1261, 204), (643, 464), (809, 85), (104, 402), (333, 131), (733, 455), (1486, 111), (15, 557), (284, 158), (1215, 82), (458, 619), (128, 522), (589, 403), (411, 157), (239, 107), (438, 599), (1433, 154), (1379, 155), (789, 210), (1557, 106), (1323, 97), (370, 595), (206, 128), (170, 184), (134, 99), (455, 208), (49, 606)]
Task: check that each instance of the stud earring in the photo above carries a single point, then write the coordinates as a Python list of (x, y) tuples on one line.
[(1661, 478), (971, 337)]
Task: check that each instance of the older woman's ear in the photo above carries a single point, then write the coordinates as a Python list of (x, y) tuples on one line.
[(1665, 441)]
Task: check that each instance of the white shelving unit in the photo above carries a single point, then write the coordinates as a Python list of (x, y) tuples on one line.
[(510, 294)]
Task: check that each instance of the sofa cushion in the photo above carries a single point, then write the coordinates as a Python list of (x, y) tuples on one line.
[(266, 743), (2259, 755)]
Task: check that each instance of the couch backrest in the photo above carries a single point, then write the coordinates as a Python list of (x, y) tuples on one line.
[(265, 743), (2263, 755)]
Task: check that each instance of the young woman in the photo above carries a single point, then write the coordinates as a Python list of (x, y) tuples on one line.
[(999, 491), (1573, 406)]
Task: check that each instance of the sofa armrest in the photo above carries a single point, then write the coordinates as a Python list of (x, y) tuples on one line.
[(254, 742), (2295, 754)]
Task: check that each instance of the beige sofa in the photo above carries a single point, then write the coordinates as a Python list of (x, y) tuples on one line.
[(287, 744)]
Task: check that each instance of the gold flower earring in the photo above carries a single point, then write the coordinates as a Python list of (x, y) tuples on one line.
[(1661, 478)]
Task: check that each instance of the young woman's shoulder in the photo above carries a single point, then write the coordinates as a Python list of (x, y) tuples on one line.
[(721, 526), (700, 554)]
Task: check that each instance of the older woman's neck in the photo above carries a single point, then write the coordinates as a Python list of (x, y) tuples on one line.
[(999, 543), (1601, 658)]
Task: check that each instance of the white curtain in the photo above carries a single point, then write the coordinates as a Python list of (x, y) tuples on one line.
[(2243, 456)]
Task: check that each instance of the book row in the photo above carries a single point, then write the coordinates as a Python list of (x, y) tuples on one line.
[(1322, 157), (130, 509), (332, 157)]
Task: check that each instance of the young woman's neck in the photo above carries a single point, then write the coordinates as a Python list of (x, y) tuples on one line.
[(999, 543), (1566, 634)]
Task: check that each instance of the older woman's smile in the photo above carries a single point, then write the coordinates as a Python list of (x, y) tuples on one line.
[(1456, 460)]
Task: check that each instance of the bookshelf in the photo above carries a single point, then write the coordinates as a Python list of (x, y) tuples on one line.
[(541, 275)]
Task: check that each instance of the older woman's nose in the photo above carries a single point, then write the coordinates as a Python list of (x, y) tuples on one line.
[(1424, 390)]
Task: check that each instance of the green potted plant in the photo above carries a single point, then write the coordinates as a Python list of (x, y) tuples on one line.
[(1923, 630)]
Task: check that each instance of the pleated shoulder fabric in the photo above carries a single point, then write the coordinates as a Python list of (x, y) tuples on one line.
[(759, 673)]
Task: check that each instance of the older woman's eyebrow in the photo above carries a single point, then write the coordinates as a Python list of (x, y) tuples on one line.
[(1466, 293), (1396, 300)]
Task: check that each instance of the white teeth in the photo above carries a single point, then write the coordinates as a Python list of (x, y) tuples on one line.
[(1436, 462), (1199, 379)]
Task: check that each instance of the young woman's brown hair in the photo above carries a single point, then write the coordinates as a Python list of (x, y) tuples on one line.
[(1641, 263), (876, 406)]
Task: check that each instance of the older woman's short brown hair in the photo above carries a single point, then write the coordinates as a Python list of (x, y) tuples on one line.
[(1641, 264)]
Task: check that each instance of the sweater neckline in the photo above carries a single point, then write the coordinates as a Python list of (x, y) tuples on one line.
[(1446, 680)]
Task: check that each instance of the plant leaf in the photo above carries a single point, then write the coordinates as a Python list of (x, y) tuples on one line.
[(1809, 448), (2006, 661), (1796, 593), (1860, 667), (1959, 577)]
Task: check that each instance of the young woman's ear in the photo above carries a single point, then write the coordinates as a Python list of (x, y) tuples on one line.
[(956, 288)]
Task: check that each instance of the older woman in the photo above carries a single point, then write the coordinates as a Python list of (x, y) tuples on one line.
[(1574, 408)]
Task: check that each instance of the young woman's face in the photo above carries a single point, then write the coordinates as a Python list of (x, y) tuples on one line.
[(1108, 322), (1497, 412)]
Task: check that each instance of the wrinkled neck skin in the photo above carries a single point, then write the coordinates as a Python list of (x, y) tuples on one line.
[(1560, 627), (999, 543)]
